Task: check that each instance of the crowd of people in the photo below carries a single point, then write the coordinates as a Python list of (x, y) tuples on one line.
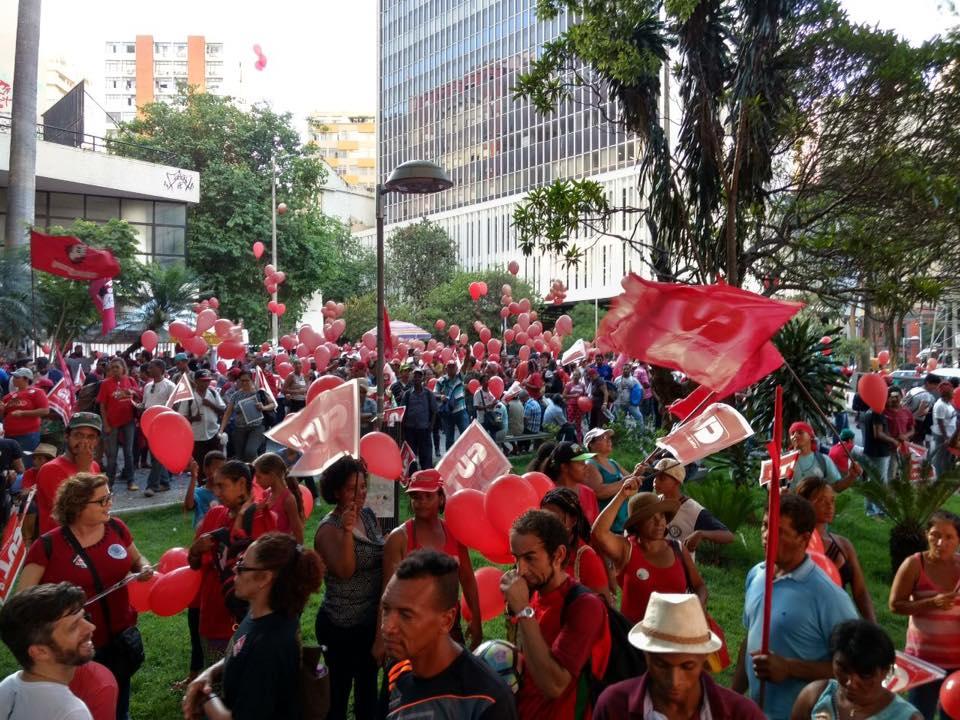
[(610, 549)]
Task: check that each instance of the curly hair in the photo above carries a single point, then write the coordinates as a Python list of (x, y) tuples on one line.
[(299, 572), (335, 477), (75, 494), (568, 502), (546, 526)]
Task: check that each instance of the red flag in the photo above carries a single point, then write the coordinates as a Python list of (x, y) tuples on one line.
[(69, 257), (183, 392), (262, 384), (13, 551), (773, 518), (325, 430), (62, 399), (717, 334), (101, 292), (717, 427), (408, 457), (473, 461), (910, 672), (693, 404), (787, 463), (387, 334)]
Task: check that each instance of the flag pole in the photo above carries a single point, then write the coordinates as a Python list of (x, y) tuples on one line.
[(773, 530)]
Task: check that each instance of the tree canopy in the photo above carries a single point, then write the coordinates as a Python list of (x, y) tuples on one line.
[(420, 257)]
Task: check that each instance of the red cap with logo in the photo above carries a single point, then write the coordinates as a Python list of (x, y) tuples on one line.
[(425, 481)]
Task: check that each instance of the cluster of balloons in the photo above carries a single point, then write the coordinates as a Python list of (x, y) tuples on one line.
[(273, 278), (558, 292), (332, 310), (482, 521), (478, 290), (261, 62), (307, 341), (197, 340)]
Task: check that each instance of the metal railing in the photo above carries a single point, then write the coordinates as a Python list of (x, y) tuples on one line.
[(94, 143)]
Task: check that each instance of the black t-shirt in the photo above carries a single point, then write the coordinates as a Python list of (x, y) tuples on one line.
[(9, 451), (872, 445), (466, 690), (261, 674)]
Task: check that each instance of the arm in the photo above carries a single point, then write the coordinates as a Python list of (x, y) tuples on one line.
[(468, 581), (293, 516), (602, 538), (199, 689), (189, 501), (740, 682), (806, 700), (214, 401), (697, 584), (902, 588), (861, 596), (335, 546), (227, 414), (38, 412), (30, 576), (720, 537), (593, 480), (549, 675)]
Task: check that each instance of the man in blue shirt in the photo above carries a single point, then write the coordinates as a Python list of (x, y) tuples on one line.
[(807, 605), (532, 414), (418, 420), (556, 413), (454, 396)]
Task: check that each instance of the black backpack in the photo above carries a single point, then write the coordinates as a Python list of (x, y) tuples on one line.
[(624, 662)]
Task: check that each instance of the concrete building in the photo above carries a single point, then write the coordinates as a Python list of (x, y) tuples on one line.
[(347, 142), (144, 70), (353, 206), (446, 73)]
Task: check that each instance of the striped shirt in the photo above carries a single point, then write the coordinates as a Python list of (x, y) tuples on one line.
[(934, 635)]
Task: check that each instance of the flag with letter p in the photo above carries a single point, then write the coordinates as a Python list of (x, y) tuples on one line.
[(718, 427)]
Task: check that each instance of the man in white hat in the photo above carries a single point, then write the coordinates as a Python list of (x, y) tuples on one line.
[(676, 641), (692, 523)]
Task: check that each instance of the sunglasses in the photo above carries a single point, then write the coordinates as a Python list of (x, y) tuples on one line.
[(102, 502), (241, 567)]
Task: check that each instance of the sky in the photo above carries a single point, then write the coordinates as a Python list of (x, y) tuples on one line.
[(321, 54)]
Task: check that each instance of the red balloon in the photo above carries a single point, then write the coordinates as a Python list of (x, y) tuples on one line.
[(514, 267), (473, 386), (454, 332), (491, 598), (321, 384), (506, 499), (221, 368), (495, 386), (231, 350), (826, 564), (584, 403), (173, 592), (307, 500), (467, 520), (382, 455), (440, 324), (197, 345), (179, 330), (475, 291), (883, 357), (950, 694), (540, 483), (175, 557), (149, 415), (521, 371), (139, 592), (873, 391), (431, 384), (258, 249), (205, 320), (149, 340), (171, 441), (284, 369)]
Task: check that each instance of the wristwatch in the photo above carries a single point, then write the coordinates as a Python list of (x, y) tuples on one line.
[(527, 613)]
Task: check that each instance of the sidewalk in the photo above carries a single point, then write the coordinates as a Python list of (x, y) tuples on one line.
[(126, 501)]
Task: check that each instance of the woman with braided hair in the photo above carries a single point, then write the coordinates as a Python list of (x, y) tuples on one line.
[(583, 563)]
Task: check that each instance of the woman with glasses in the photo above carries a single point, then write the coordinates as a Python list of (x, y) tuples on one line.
[(107, 554), (260, 675), (246, 406)]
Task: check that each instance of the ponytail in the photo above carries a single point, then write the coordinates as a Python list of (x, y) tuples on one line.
[(299, 571), (273, 464), (235, 470)]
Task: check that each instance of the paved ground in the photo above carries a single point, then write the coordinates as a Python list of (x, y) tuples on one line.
[(125, 500)]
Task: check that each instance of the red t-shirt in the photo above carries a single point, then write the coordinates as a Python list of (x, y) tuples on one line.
[(49, 479), (30, 399), (118, 411), (588, 502), (840, 457), (216, 620), (534, 385), (592, 573), (113, 563), (29, 478), (572, 644), (96, 686)]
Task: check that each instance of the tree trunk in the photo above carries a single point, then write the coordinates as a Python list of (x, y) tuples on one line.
[(733, 270)]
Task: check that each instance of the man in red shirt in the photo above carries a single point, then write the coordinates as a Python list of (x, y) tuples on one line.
[(83, 445), (118, 396), (558, 642), (22, 410)]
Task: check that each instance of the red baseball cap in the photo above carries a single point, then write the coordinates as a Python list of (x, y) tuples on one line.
[(425, 481)]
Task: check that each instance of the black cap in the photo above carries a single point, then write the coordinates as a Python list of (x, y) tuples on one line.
[(202, 375), (932, 379)]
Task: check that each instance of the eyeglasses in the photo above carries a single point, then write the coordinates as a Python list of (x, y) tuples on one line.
[(102, 502), (240, 567)]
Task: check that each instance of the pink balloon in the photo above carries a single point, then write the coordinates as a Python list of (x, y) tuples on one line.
[(322, 384), (214, 303), (504, 313), (281, 277), (322, 357), (508, 336), (175, 557), (284, 369), (205, 320), (495, 386), (269, 270), (524, 352), (514, 308), (535, 329), (281, 309), (454, 332), (174, 591), (883, 357), (171, 441), (473, 386), (485, 335), (524, 305), (337, 328), (231, 350), (310, 338), (507, 498), (303, 351), (370, 340), (222, 328), (513, 267), (149, 340), (197, 345), (440, 324), (221, 368), (540, 483), (288, 342), (382, 455), (493, 346), (179, 330), (479, 350)]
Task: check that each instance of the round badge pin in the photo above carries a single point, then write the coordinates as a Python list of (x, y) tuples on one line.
[(117, 552), (643, 574)]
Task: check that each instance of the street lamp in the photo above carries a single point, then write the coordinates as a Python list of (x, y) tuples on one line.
[(414, 177)]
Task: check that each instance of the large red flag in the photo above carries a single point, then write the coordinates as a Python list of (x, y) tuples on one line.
[(717, 334), (387, 335), (69, 257), (101, 292)]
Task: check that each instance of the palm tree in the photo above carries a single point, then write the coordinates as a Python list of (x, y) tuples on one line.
[(167, 293), (16, 317)]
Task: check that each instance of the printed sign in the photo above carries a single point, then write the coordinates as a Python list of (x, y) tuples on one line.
[(717, 428), (474, 461)]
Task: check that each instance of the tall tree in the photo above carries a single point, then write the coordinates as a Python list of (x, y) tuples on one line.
[(235, 150), (420, 258)]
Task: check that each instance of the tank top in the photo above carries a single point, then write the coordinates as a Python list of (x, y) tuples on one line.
[(834, 553), (354, 600), (933, 635), (297, 389), (450, 545), (283, 522), (639, 579), (608, 478), (826, 706)]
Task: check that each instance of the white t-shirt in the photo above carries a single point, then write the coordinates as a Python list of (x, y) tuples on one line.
[(946, 412), (21, 700), (157, 392)]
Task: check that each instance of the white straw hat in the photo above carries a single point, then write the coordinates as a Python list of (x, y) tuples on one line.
[(674, 623)]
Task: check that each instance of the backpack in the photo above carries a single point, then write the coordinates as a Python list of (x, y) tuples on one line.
[(226, 559), (623, 662), (636, 394)]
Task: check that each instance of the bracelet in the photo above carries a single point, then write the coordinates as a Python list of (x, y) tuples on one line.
[(208, 698)]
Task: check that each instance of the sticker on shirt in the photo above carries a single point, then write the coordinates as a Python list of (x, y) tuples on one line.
[(238, 645), (117, 552), (643, 574), (674, 531), (78, 561)]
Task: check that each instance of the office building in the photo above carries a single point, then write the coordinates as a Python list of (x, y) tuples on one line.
[(447, 69), (144, 70), (347, 142)]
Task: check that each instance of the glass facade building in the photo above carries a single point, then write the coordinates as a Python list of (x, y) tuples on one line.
[(447, 69)]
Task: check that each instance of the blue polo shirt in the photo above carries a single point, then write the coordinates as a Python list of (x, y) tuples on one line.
[(807, 605)]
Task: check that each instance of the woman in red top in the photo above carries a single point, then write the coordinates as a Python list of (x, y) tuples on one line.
[(572, 392), (225, 532), (22, 410), (281, 494), (583, 563), (426, 529), (118, 396), (566, 466), (83, 509), (646, 560)]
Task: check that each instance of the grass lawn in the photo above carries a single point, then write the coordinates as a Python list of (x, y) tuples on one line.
[(168, 644)]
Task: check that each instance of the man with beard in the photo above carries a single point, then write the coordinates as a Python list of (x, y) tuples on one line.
[(559, 637), (46, 630)]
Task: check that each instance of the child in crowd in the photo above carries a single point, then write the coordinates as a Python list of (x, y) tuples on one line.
[(281, 494)]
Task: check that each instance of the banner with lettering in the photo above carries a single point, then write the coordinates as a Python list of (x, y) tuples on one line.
[(474, 461), (718, 427), (13, 551)]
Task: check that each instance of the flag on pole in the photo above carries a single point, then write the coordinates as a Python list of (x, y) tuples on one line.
[(787, 463), (387, 335), (13, 551), (62, 400), (69, 257), (693, 404), (773, 518), (473, 461), (262, 384), (408, 457), (101, 292), (718, 427), (182, 392)]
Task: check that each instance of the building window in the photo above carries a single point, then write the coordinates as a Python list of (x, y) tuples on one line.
[(131, 48)]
